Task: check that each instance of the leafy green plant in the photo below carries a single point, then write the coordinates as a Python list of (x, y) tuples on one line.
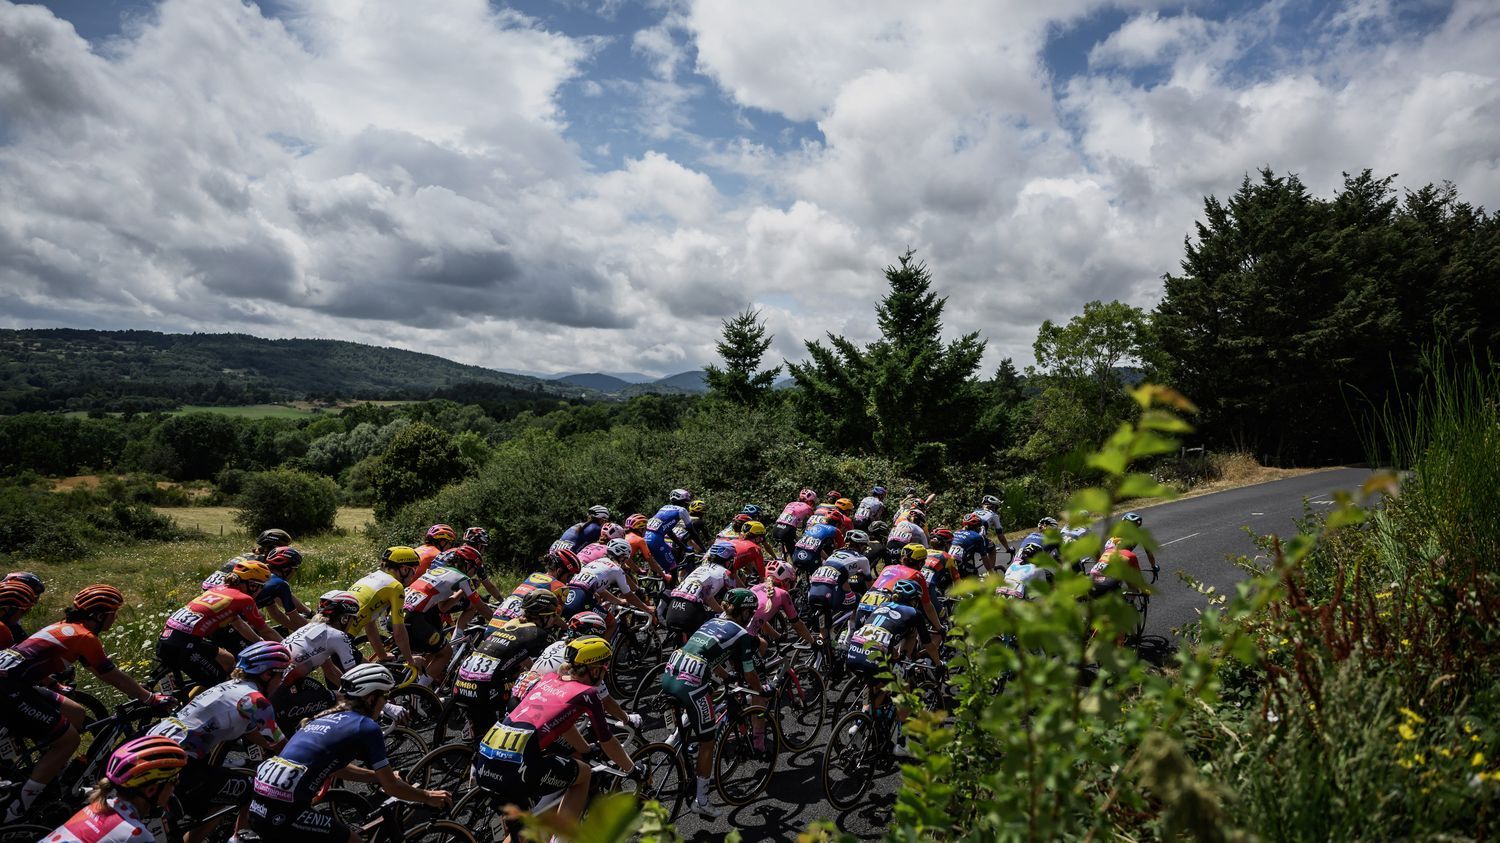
[(295, 501)]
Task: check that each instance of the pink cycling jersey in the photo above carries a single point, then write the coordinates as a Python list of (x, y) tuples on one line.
[(794, 514), (772, 601), (592, 553), (554, 704)]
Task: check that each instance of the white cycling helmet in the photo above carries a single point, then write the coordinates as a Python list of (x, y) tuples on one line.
[(618, 549), (367, 679)]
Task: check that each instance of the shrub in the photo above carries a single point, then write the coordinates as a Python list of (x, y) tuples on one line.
[(418, 461), (295, 501)]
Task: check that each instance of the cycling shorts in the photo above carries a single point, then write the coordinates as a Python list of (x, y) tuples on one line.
[(661, 551), (287, 823), (784, 535), (536, 773), (1103, 585), (684, 615), (203, 788), (703, 717), (296, 702), (195, 658), (806, 560), (425, 629), (32, 712), (578, 600), (832, 598)]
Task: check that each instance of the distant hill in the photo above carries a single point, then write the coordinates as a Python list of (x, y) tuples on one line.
[(594, 380), (693, 381), (50, 369)]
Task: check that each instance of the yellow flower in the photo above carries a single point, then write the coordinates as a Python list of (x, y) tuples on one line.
[(1477, 760), (1406, 642), (1384, 595), (1445, 752), (1407, 732), (1411, 715)]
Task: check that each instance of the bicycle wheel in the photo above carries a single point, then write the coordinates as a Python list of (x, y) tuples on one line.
[(801, 703), (441, 831), (450, 723), (483, 813), (444, 768), (663, 777), (741, 769), (848, 759), (656, 708), (633, 653), (97, 710), (423, 708), (403, 748), (351, 808)]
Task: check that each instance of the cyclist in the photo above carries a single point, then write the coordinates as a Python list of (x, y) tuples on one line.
[(383, 594), (138, 780), (1023, 572), (427, 604), (690, 530), (32, 581), (229, 711), (469, 558), (692, 669), (597, 550), (773, 600), (907, 531), (29, 709), (836, 513), (970, 545), (1139, 523), (266, 542), (563, 565), (484, 678), (940, 568), (835, 586), (585, 532), (185, 644), (819, 540), (697, 597), (989, 515), (660, 527), (440, 537), (883, 638), (555, 656), (906, 567), (789, 524), (1117, 548), (749, 551), (596, 582), (518, 756), (287, 784), (871, 508), (16, 599), (275, 598), (323, 643), (732, 530), (877, 552), (1039, 536)]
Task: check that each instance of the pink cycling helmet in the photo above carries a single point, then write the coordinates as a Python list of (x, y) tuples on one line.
[(781, 573)]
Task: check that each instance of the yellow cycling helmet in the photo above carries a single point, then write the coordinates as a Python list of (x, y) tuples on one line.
[(588, 651), (753, 528), (697, 508), (400, 556), (844, 505), (249, 570), (914, 552)]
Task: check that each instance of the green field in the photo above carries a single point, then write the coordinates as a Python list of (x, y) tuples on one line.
[(259, 411)]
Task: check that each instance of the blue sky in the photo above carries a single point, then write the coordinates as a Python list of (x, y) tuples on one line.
[(559, 185)]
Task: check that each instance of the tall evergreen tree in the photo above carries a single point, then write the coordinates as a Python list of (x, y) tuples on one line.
[(743, 344)]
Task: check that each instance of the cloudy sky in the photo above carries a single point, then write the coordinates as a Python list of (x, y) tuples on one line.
[(566, 185)]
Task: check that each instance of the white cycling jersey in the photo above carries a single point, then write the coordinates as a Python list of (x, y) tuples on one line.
[(316, 643), (601, 574), (854, 562), (225, 712), (1020, 575), (991, 521), (706, 579), (870, 509), (436, 587), (114, 822), (908, 533)]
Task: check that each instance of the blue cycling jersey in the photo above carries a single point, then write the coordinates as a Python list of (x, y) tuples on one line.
[(824, 533), (278, 591), (666, 518), (973, 544), (880, 632), (324, 746), (581, 535)]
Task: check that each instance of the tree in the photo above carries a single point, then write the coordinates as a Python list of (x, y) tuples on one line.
[(295, 501), (743, 345), (419, 461), (194, 446)]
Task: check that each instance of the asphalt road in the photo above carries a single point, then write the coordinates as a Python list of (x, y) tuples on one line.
[(1196, 536)]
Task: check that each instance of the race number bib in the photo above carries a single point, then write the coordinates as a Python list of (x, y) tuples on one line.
[(655, 524), (478, 667), (184, 620), (815, 520), (874, 599), (505, 743), (826, 575), (872, 637), (810, 543), (688, 667), (277, 778)]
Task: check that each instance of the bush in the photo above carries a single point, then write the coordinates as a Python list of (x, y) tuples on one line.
[(418, 461), (295, 501)]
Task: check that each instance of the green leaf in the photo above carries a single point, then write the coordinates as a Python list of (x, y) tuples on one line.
[(609, 820), (1110, 460), (1147, 444), (1163, 421), (1142, 486), (1091, 500)]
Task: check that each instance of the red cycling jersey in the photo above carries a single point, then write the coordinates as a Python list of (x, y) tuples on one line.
[(211, 610), (893, 574), (749, 557), (554, 704), (50, 650), (425, 554)]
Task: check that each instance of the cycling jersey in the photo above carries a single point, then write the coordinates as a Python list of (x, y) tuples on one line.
[(773, 601), (717, 641), (893, 574), (1110, 551), (499, 656), (321, 748), (379, 593), (436, 588), (830, 514), (907, 532), (876, 640), (212, 609), (940, 569), (708, 579), (970, 546), (315, 643), (853, 562), (794, 514), (576, 537), (870, 509), (991, 521), (666, 518), (116, 821), (817, 541), (224, 712), (1018, 578), (749, 558), (549, 710), (276, 589), (550, 661), (640, 550), (600, 574), (50, 650), (425, 554), (510, 608), (592, 553)]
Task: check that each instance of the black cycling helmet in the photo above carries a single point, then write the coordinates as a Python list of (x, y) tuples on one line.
[(540, 603), (273, 537), (1027, 551), (878, 528)]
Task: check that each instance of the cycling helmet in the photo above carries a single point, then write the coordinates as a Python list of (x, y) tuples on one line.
[(264, 657), (753, 528), (273, 538), (807, 496), (832, 495), (618, 549), (587, 623), (917, 517), (680, 496), (334, 603), (566, 559), (942, 535), (1027, 551), (399, 556), (739, 521), (367, 680), (613, 531), (989, 500), (30, 579), (466, 558), (540, 603), (721, 550), (248, 570), (284, 557), (878, 492), (98, 598), (477, 537), (598, 511), (697, 507), (15, 594), (856, 538), (844, 505), (751, 510), (782, 573), (1047, 523), (914, 552), (740, 598), (588, 651), (906, 591), (972, 521), (1132, 518), (635, 522), (441, 533), (878, 528), (145, 760)]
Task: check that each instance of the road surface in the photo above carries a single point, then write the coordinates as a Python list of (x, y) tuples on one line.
[(1196, 536)]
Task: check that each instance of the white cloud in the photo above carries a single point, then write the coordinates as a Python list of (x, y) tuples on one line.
[(1147, 39)]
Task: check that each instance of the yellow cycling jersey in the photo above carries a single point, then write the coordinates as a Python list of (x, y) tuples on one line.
[(377, 593)]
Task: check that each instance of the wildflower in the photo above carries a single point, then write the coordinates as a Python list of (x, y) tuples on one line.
[(1407, 732), (1406, 642), (1384, 595), (1410, 715), (1477, 760)]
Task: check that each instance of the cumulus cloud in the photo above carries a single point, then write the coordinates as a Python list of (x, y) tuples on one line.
[(407, 174)]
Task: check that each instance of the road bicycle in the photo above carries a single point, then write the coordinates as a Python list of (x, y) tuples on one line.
[(800, 697), (392, 822)]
